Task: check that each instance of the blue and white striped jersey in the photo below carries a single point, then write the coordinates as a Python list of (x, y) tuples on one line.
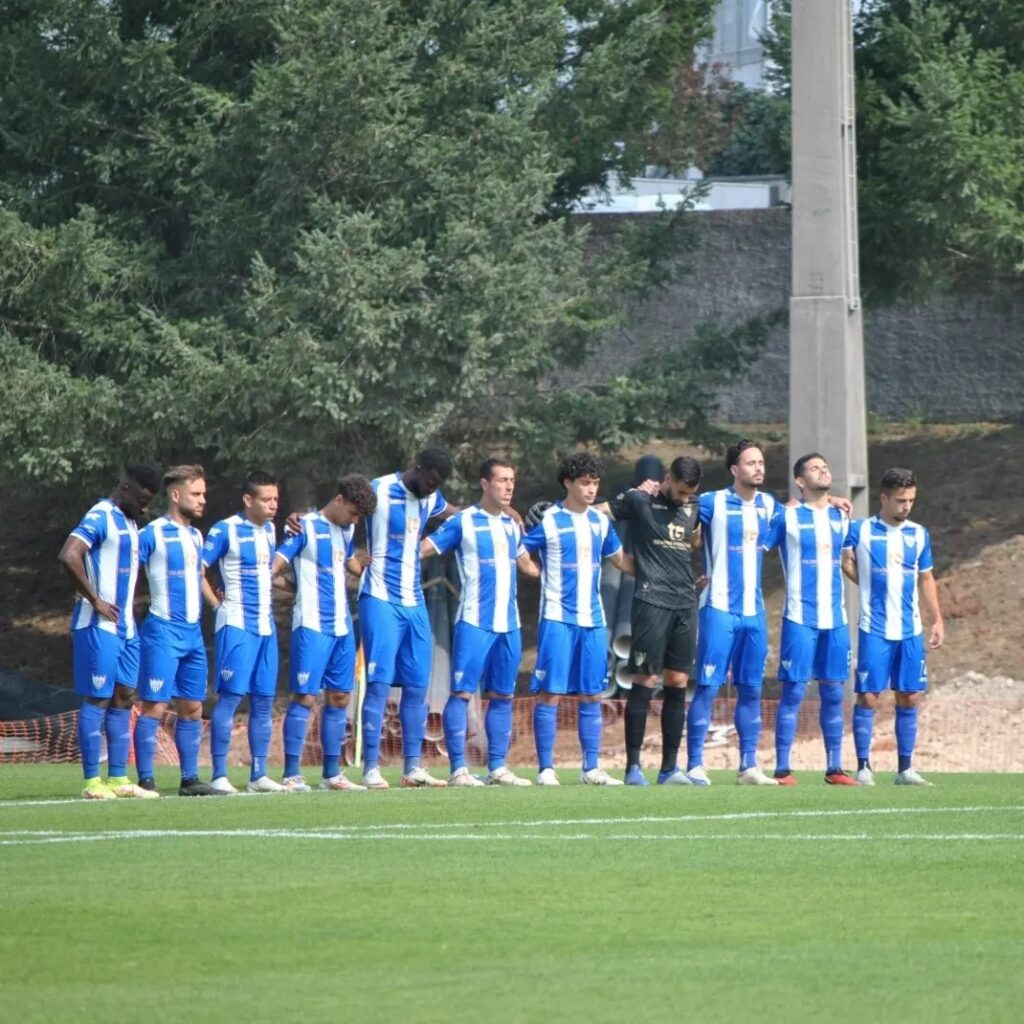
[(810, 545), (172, 555), (319, 553), (889, 559), (486, 548), (242, 553), (111, 566), (572, 546), (736, 535), (394, 532)]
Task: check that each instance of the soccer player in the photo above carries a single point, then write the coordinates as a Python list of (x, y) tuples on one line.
[(393, 622), (323, 647), (101, 555), (571, 541), (245, 638), (173, 653), (815, 640), (663, 529), (487, 645), (738, 525), (890, 558)]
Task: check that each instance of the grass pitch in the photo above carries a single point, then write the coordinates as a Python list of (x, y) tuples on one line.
[(589, 904)]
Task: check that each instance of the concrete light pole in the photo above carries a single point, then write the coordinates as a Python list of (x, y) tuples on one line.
[(826, 346)]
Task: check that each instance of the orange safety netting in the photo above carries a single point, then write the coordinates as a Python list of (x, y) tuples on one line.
[(953, 735)]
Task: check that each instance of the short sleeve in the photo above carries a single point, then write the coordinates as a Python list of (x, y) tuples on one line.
[(292, 545), (536, 539), (438, 504), (350, 542), (706, 508), (611, 544), (447, 536), (622, 506), (147, 542), (924, 559), (216, 544), (93, 528), (853, 534)]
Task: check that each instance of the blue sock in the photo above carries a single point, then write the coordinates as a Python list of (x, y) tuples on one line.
[(906, 735), (374, 702), (221, 726), (545, 728), (785, 722), (863, 726), (90, 737), (498, 726), (698, 721), (332, 735), (187, 735), (145, 745), (589, 728), (260, 727), (296, 721), (455, 715), (831, 720), (412, 714), (748, 724), (118, 725)]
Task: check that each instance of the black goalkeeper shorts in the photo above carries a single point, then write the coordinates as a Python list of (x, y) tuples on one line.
[(662, 639)]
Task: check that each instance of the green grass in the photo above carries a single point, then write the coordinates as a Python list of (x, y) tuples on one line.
[(627, 905)]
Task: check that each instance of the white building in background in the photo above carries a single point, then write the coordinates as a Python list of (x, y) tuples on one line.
[(736, 44), (736, 49)]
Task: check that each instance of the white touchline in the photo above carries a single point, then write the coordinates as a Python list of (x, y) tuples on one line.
[(35, 840)]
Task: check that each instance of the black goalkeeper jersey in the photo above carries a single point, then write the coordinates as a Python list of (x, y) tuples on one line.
[(661, 539)]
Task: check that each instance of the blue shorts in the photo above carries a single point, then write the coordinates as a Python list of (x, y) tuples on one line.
[(246, 662), (102, 659), (482, 657), (883, 663), (173, 661), (397, 643), (731, 642), (570, 659), (808, 653), (321, 661)]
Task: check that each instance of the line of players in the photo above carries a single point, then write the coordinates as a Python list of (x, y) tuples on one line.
[(566, 544)]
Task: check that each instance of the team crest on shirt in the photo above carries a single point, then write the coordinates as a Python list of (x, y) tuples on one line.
[(226, 673), (709, 670), (510, 529), (596, 527), (302, 677), (762, 512), (98, 682), (909, 539), (837, 526), (155, 684)]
